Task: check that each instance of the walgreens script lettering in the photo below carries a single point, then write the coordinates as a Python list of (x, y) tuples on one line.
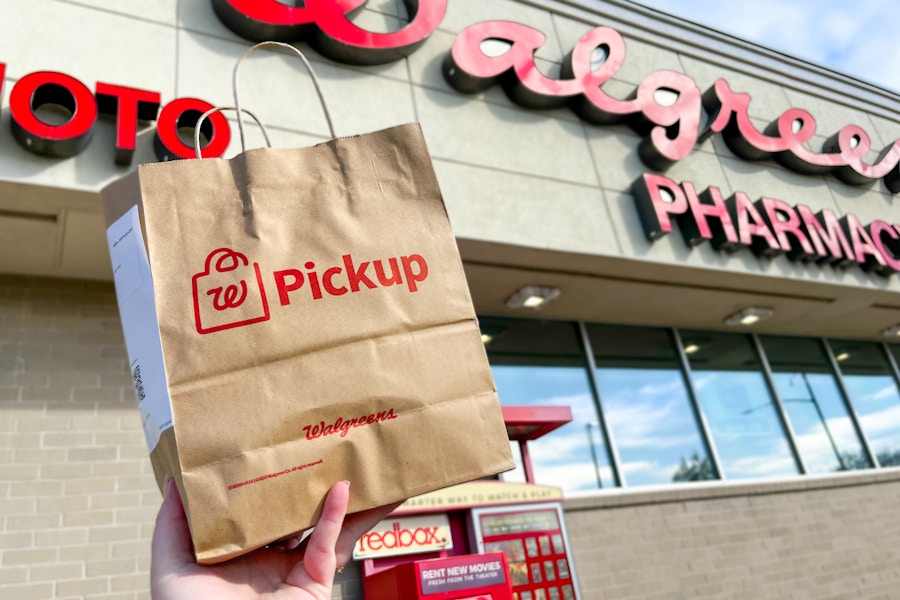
[(670, 129)]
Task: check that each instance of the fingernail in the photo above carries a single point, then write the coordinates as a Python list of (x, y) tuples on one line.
[(347, 483)]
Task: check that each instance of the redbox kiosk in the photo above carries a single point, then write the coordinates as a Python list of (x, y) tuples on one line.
[(534, 540), (468, 577), (446, 545)]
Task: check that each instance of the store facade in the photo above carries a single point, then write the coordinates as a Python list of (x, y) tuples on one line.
[(713, 226)]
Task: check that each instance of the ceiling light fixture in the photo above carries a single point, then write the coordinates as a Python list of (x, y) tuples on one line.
[(749, 316), (842, 356), (691, 349), (490, 332), (892, 331), (532, 296)]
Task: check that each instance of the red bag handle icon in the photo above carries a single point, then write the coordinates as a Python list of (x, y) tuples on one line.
[(230, 296)]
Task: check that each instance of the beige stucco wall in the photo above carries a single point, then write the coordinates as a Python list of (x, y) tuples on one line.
[(536, 179), (516, 181)]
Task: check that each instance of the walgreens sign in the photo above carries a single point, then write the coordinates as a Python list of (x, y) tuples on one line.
[(667, 109), (127, 105), (767, 226)]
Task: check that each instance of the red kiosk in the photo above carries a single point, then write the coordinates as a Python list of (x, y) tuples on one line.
[(482, 540)]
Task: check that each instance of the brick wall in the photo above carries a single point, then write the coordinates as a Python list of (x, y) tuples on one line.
[(77, 496), (77, 500), (816, 538)]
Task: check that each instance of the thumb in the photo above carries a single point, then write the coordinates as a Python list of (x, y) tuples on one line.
[(171, 547), (319, 558)]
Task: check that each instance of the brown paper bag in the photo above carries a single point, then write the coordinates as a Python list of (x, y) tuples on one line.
[(314, 325)]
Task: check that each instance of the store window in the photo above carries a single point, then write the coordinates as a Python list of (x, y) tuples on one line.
[(833, 419), (872, 388), (542, 363), (647, 406), (743, 418), (824, 432)]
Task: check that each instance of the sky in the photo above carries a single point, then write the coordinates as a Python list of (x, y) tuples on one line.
[(857, 38)]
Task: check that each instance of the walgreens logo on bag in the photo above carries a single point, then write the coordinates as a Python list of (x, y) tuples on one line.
[(230, 291)]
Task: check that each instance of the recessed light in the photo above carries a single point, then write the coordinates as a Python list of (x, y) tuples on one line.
[(892, 331), (534, 301), (749, 316), (532, 296), (490, 332), (842, 356), (691, 349)]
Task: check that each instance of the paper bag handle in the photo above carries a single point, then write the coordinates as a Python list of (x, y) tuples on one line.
[(237, 102), (312, 73), (203, 117)]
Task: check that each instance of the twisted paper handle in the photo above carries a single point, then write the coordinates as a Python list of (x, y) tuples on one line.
[(309, 68), (237, 101), (205, 115)]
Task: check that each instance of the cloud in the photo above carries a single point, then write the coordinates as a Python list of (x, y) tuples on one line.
[(582, 406), (816, 449), (776, 464), (571, 476), (888, 392), (857, 38), (881, 428)]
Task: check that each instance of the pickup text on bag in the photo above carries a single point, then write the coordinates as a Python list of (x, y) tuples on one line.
[(230, 290), (355, 276)]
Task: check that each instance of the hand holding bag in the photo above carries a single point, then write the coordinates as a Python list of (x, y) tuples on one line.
[(314, 325)]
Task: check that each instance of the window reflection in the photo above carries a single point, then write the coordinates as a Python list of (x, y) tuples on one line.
[(649, 413), (542, 363), (646, 404), (823, 430), (732, 392), (873, 392)]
